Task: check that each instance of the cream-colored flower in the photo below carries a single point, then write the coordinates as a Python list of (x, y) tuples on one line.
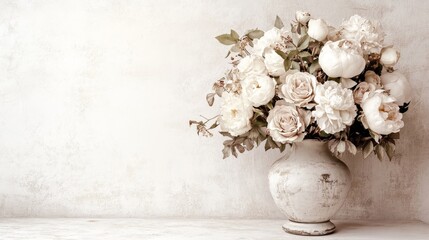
[(318, 29), (389, 56), (341, 59), (398, 86), (274, 63), (298, 88), (259, 89), (361, 89), (269, 40), (335, 107), (302, 17), (235, 114), (369, 34), (286, 123), (251, 65), (381, 113)]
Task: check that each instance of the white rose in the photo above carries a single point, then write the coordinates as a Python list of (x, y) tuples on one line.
[(235, 114), (286, 123), (361, 89), (381, 113), (298, 88), (270, 39), (341, 59), (251, 65), (318, 29), (259, 89), (274, 63), (335, 107), (369, 34), (373, 78), (302, 17), (389, 56), (398, 87)]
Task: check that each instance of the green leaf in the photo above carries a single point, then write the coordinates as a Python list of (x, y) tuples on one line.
[(303, 42), (235, 35), (234, 152), (255, 34), (304, 54), (278, 23), (282, 148), (295, 65), (281, 54), (287, 63), (368, 149), (379, 150), (324, 134), (390, 150), (226, 39), (292, 54), (314, 67)]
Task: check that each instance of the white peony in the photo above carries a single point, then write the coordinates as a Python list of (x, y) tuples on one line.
[(381, 113), (274, 63), (270, 39), (335, 107), (341, 59), (398, 87), (389, 57), (251, 65), (302, 17), (286, 123), (298, 88), (259, 89), (361, 89), (369, 34), (235, 114), (318, 29)]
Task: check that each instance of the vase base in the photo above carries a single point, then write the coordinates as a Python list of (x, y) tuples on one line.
[(309, 229)]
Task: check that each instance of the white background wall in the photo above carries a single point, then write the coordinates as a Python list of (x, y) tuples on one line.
[(95, 97)]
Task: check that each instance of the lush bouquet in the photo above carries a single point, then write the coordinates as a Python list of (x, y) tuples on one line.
[(310, 81)]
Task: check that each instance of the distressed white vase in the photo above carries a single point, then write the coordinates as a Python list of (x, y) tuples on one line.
[(309, 187)]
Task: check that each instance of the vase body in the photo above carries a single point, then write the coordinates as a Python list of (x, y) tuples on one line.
[(309, 187)]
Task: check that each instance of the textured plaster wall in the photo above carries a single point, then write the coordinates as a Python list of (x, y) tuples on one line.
[(95, 98)]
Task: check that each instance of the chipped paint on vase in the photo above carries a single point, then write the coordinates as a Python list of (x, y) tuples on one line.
[(309, 186)]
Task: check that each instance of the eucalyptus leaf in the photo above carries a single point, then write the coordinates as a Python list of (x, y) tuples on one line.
[(226, 39), (278, 23)]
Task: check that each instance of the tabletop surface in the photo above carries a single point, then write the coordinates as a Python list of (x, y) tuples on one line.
[(177, 229)]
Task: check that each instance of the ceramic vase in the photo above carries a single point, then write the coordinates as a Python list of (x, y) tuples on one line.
[(309, 186)]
